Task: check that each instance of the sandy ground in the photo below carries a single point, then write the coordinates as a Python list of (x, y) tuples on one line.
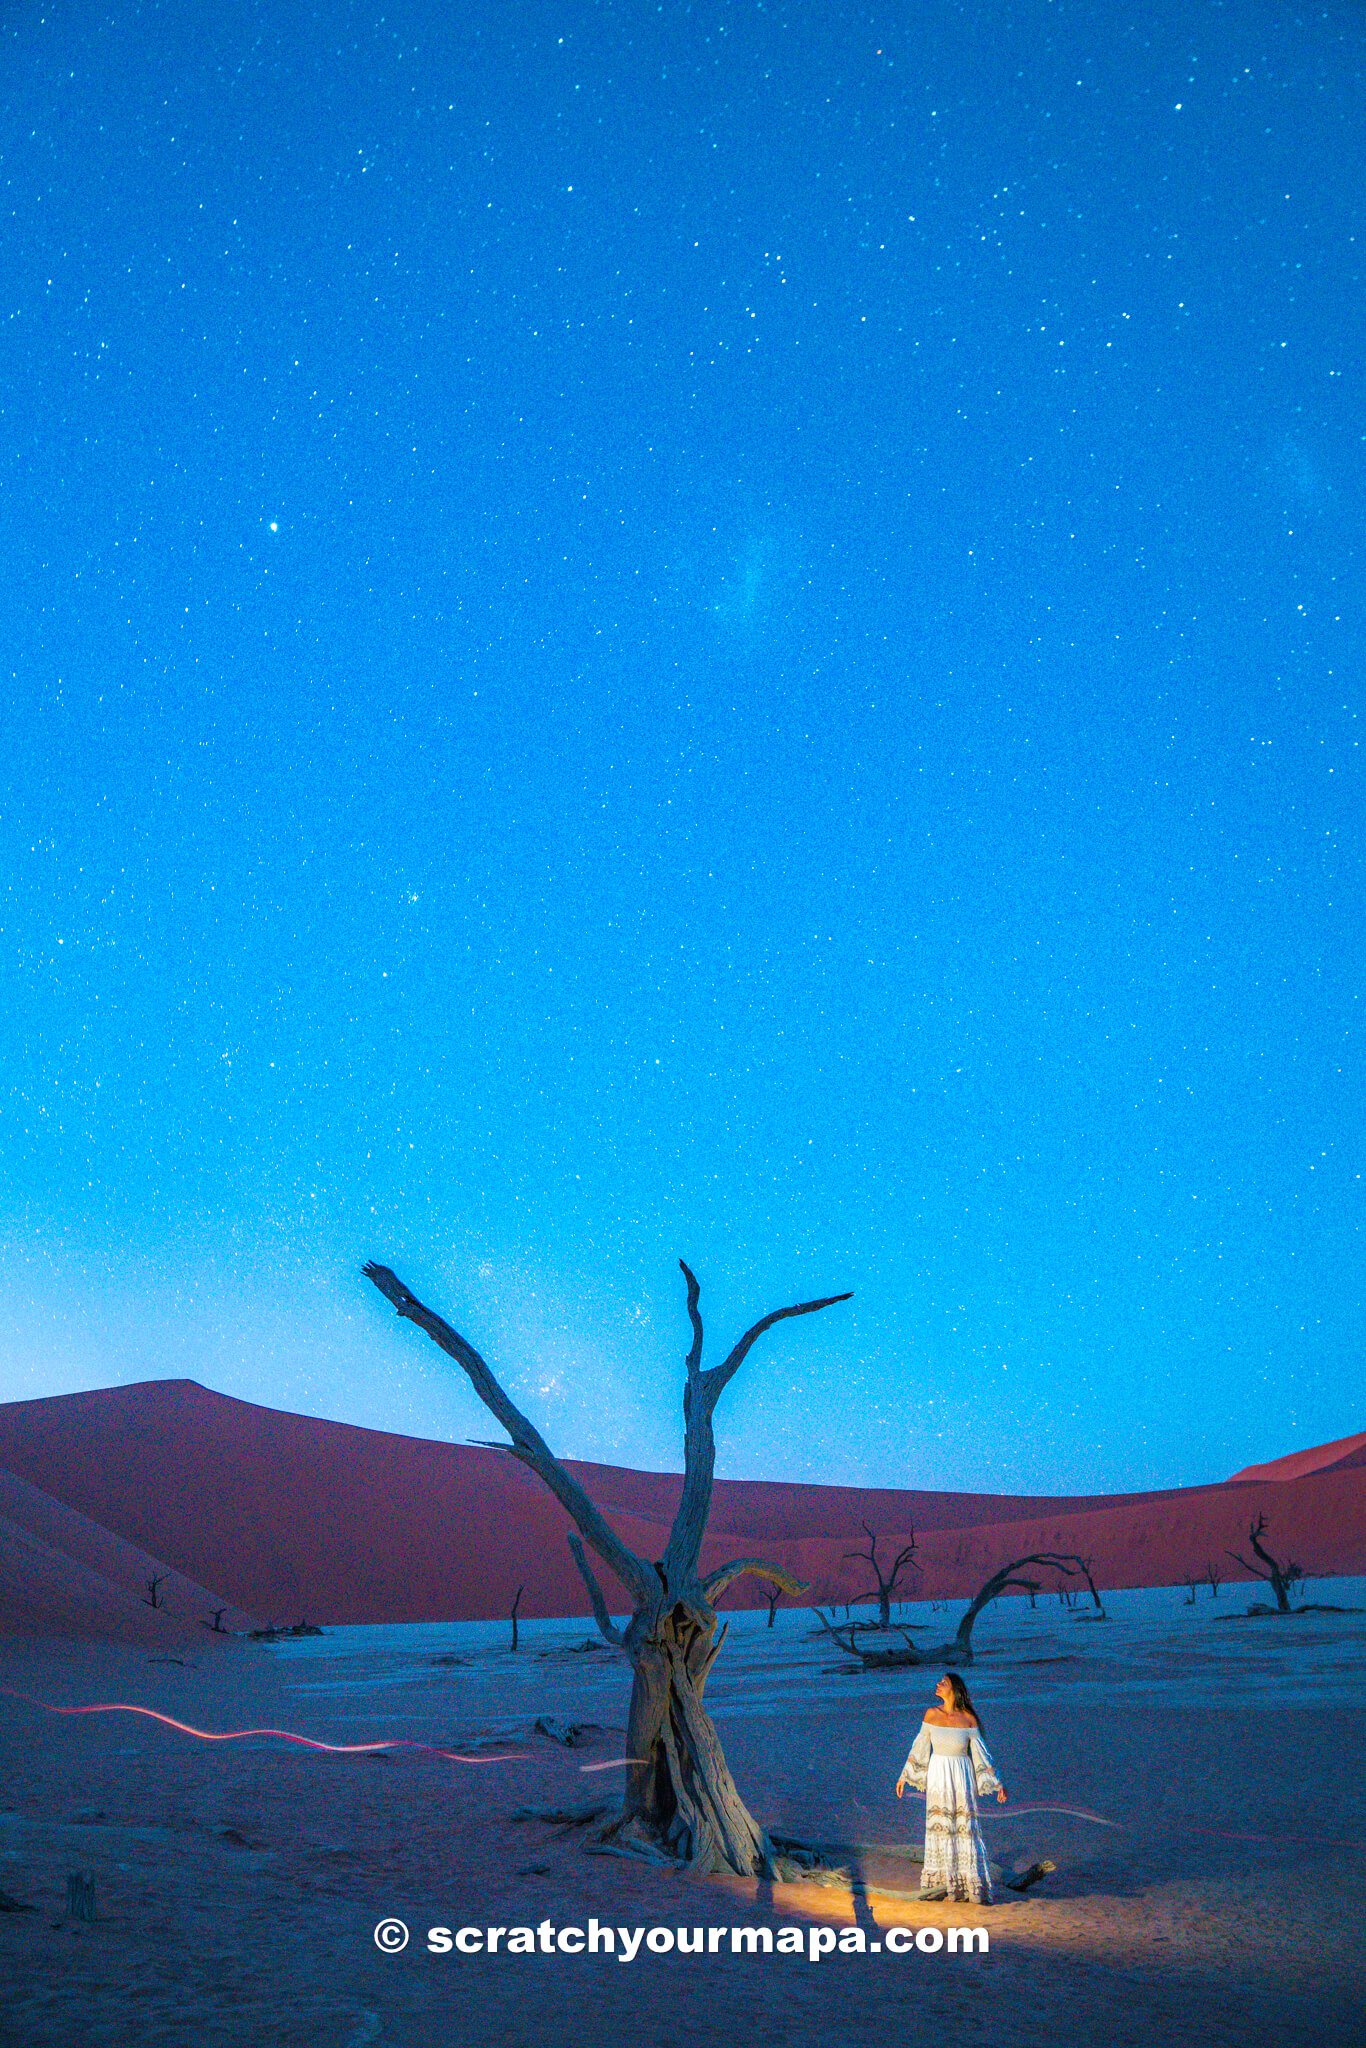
[(238, 1885)]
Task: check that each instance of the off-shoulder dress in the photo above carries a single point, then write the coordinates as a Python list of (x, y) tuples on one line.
[(953, 1767)]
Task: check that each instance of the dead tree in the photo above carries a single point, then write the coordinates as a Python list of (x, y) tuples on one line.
[(773, 1598), (886, 1581), (681, 1804), (1282, 1578), (878, 1658), (152, 1597), (1100, 1615), (515, 1605), (1214, 1581), (1000, 1582), (215, 1627)]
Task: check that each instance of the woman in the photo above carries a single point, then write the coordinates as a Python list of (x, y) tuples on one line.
[(950, 1764)]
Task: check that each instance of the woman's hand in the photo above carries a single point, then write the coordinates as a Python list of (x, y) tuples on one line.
[(1001, 1796), (900, 1787)]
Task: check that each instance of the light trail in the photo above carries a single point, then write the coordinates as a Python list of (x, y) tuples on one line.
[(453, 1756), (1076, 1812), (1010, 1811), (519, 1756)]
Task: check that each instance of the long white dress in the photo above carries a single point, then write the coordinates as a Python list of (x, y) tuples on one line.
[(952, 1766)]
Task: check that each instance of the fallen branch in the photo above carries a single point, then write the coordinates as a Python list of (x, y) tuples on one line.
[(871, 1660), (563, 1816), (569, 1734)]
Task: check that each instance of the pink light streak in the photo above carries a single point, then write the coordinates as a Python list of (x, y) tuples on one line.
[(280, 1734), (455, 1756)]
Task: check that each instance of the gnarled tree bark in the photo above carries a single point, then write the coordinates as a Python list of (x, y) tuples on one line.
[(681, 1801)]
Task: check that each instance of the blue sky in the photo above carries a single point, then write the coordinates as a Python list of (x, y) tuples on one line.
[(728, 631)]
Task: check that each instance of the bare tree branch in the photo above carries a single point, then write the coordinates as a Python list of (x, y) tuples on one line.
[(603, 1619), (720, 1376), (694, 1291), (845, 1641), (715, 1583), (1254, 1536), (871, 1660), (700, 1396), (714, 1652), (527, 1442)]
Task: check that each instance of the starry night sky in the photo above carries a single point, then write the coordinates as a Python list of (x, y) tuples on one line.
[(728, 630)]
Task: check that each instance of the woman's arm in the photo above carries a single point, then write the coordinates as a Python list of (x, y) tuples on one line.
[(983, 1769), (917, 1764)]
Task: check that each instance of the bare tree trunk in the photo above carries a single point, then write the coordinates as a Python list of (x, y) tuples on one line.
[(515, 1605), (681, 1795)]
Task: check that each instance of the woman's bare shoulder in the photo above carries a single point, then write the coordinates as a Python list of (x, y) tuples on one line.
[(935, 1717)]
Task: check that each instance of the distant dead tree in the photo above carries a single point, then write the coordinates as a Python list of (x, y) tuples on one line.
[(215, 1627), (959, 1651), (886, 1581), (1001, 1582), (515, 1605), (1282, 1578), (1086, 1573), (1191, 1585), (773, 1597), (1214, 1581), (681, 1804), (152, 1597)]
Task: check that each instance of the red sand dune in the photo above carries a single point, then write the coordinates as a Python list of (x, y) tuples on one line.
[(294, 1517), (61, 1573), (1346, 1452)]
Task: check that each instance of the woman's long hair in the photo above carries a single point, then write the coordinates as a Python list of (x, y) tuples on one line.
[(962, 1698)]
